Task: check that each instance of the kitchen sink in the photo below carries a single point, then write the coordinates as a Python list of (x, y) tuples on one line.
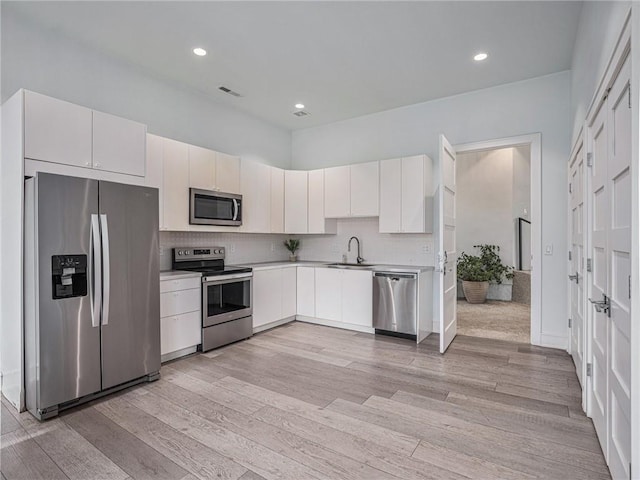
[(351, 265)]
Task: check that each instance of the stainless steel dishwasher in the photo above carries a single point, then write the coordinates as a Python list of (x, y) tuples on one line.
[(395, 303)]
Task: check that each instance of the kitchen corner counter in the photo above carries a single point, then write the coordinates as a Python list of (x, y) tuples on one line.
[(178, 274), (282, 264), (308, 263)]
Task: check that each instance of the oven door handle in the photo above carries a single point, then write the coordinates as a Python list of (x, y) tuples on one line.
[(235, 209), (226, 278)]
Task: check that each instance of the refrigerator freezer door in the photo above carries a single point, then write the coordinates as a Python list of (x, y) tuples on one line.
[(131, 299), (67, 345)]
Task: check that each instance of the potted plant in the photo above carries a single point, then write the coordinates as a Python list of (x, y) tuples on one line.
[(476, 271), (292, 245)]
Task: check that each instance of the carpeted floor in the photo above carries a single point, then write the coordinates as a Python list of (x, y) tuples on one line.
[(500, 320)]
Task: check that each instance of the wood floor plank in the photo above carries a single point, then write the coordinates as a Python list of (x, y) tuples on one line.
[(314, 456), (528, 425), (8, 423), (193, 456), (318, 357), (568, 400), (22, 458), (574, 457), (251, 455), (251, 475), (391, 440), (124, 449), (359, 449), (76, 457)]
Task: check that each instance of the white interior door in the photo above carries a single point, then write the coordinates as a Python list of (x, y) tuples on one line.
[(619, 267), (447, 256), (598, 193), (576, 263)]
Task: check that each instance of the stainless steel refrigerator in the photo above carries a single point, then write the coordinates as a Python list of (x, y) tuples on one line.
[(92, 293)]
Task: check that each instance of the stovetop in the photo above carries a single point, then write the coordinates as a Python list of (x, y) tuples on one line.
[(226, 270), (207, 260)]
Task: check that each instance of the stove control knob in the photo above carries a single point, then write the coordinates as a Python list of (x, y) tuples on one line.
[(179, 252)]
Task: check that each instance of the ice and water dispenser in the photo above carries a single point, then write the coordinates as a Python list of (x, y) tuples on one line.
[(69, 276)]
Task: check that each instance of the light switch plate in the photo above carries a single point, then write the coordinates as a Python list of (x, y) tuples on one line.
[(548, 249)]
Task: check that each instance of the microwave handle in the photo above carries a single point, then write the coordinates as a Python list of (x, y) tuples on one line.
[(235, 209)]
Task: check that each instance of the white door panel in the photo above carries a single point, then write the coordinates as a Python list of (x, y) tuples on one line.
[(447, 284)]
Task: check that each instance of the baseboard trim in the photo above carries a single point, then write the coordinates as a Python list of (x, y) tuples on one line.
[(553, 341), (331, 323), (271, 325)]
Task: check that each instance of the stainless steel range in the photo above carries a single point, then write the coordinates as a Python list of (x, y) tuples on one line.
[(227, 294)]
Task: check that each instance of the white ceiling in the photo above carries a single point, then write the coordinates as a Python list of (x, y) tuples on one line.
[(341, 59)]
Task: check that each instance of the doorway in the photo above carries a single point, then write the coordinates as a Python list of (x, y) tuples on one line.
[(498, 203)]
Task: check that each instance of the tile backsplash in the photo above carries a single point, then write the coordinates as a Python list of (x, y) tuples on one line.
[(398, 249)]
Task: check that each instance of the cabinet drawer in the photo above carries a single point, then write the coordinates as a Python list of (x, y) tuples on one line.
[(183, 301), (179, 284), (180, 331)]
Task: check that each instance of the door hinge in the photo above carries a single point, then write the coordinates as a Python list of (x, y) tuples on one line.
[(629, 286), (588, 264), (569, 254), (570, 188), (589, 159), (589, 369), (606, 94), (569, 323), (629, 93)]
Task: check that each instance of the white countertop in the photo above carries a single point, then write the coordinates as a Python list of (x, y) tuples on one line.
[(176, 274), (375, 267)]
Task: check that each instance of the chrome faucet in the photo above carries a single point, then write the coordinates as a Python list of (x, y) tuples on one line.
[(359, 259)]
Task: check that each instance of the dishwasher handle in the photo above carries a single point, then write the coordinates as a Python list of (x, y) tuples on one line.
[(395, 276)]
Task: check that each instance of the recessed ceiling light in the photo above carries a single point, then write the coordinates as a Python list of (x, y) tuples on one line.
[(201, 52), (299, 105), (480, 56)]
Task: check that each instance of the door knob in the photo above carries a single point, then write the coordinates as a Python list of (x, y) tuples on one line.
[(602, 305), (574, 277)]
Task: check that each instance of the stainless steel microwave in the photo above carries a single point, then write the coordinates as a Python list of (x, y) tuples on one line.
[(207, 207)]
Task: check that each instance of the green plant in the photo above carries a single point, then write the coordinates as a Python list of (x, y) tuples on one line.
[(292, 245), (486, 267)]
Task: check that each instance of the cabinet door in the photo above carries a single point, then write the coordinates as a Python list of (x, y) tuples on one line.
[(295, 201), (365, 178), (182, 301), (227, 173), (306, 291), (277, 200), (316, 201), (57, 131), (153, 178), (175, 185), (180, 331), (267, 296), (202, 168), (118, 144), (289, 294), (329, 294), (357, 297), (390, 195), (413, 195), (256, 197), (337, 202)]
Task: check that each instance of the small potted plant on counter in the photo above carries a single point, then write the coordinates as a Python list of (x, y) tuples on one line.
[(292, 245), (476, 271)]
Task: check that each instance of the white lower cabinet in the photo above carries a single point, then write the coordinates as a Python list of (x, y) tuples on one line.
[(181, 318), (344, 296), (274, 295), (306, 291)]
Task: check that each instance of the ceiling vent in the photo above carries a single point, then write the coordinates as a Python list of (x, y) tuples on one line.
[(301, 113), (229, 91)]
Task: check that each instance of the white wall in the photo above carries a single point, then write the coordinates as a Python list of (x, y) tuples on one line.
[(45, 62), (537, 105), (484, 202), (598, 30)]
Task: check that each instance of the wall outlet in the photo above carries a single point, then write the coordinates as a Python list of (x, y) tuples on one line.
[(427, 248), (548, 249), (160, 250), (232, 247), (273, 247)]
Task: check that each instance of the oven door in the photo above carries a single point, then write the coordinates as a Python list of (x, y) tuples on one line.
[(226, 298)]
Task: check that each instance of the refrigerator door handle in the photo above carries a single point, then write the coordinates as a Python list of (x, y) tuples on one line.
[(95, 277), (106, 269)]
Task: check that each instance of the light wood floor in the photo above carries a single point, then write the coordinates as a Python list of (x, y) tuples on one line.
[(310, 402)]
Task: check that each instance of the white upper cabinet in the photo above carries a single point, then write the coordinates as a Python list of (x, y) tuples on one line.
[(175, 159), (256, 197), (337, 201), (295, 201), (364, 189), (57, 131), (61, 132), (118, 144), (406, 195), (202, 168), (351, 190), (227, 173), (317, 221), (154, 176), (277, 200)]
